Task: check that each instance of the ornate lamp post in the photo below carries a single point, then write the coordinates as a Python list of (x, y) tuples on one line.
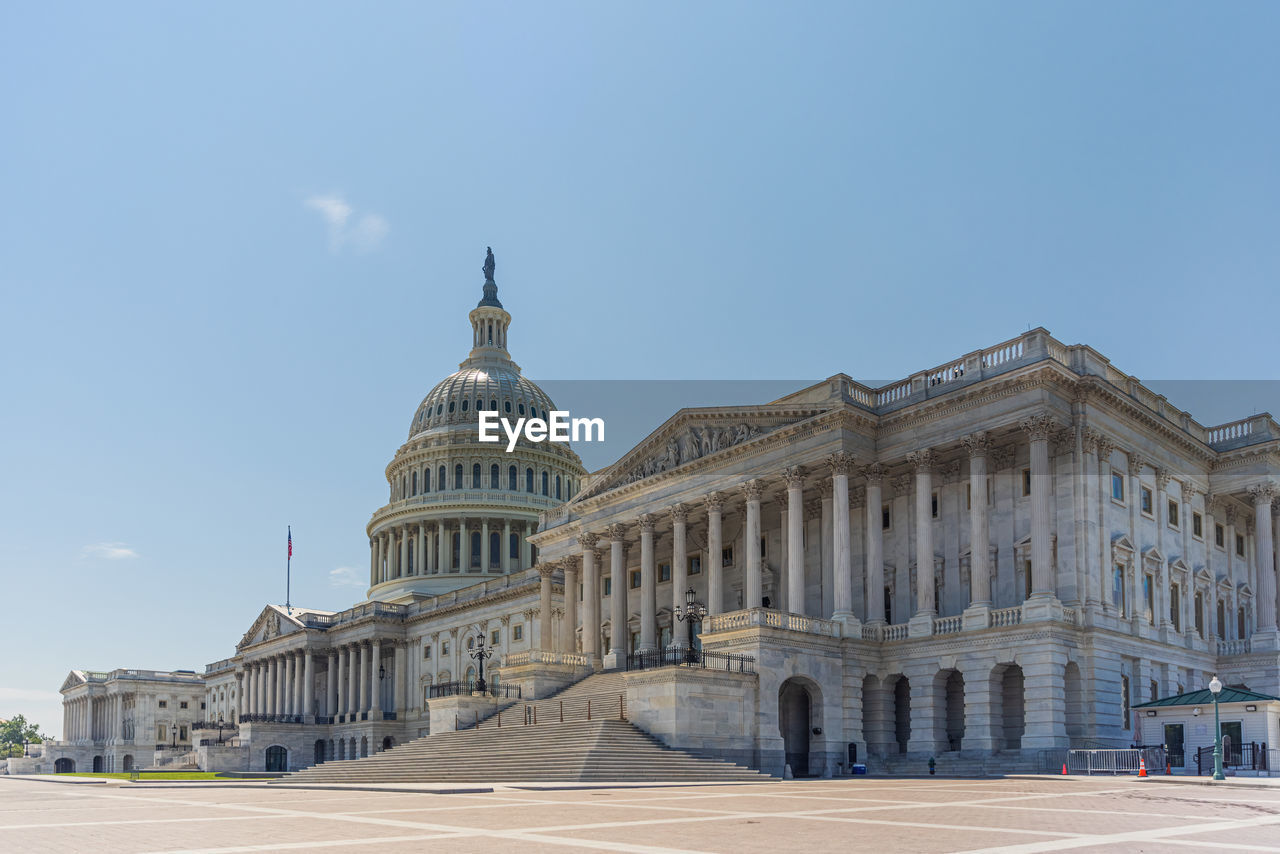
[(480, 653), (691, 613), (1215, 688), (220, 727)]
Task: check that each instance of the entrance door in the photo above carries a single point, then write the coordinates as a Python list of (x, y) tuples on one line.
[(97, 765), (1173, 744), (793, 721), (277, 758), (1231, 744)]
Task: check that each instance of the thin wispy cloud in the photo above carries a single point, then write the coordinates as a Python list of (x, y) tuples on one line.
[(345, 576), (359, 231), (109, 551)]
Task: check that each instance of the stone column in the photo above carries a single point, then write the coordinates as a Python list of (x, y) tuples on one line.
[(795, 540), (842, 570), (648, 587), (570, 624), (753, 581), (398, 704), (715, 552), (1105, 595), (246, 690), (979, 536), (1275, 543), (826, 549), (442, 548), (1042, 583), (379, 575), (291, 684), (420, 551), (373, 562), (875, 544), (331, 685), (363, 655), (340, 705), (273, 691), (679, 568), (925, 609), (590, 600), (484, 545), (526, 551), (308, 686), (618, 599), (402, 566), (504, 552), (1263, 495), (375, 681), (545, 571)]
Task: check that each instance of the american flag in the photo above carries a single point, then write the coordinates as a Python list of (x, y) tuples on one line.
[(291, 542)]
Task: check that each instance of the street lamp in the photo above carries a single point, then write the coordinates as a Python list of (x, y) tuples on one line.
[(219, 727), (691, 613), (480, 654), (1215, 688)]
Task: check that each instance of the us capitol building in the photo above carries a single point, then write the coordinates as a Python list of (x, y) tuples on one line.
[(1003, 554)]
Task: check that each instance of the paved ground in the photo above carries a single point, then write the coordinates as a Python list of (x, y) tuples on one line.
[(1005, 815)]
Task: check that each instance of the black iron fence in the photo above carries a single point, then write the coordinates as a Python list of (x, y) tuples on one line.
[(452, 689), (687, 657), (1252, 756), (270, 719)]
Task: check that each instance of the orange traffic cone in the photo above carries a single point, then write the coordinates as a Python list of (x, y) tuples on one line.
[(1142, 767), (1064, 768), (1168, 766)]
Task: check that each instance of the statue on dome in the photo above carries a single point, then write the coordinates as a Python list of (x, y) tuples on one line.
[(488, 264)]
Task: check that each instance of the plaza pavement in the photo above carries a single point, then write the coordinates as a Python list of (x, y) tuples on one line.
[(1015, 814)]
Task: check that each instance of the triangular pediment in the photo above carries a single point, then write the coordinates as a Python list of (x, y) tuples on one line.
[(1203, 576), (1243, 589), (1179, 565), (273, 622), (74, 679), (1153, 555), (1122, 543), (696, 437)]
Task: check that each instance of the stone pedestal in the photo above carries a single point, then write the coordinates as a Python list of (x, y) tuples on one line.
[(450, 713), (850, 626), (920, 626), (1265, 641), (1041, 608), (976, 617)]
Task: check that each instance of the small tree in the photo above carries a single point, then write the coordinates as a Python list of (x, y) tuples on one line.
[(16, 732)]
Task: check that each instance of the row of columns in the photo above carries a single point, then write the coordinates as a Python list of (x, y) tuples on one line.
[(421, 548), (284, 685)]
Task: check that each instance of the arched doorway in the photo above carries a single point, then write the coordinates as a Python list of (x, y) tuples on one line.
[(364, 746), (277, 758), (97, 764), (953, 692), (342, 748), (1073, 688), (128, 762), (795, 718), (386, 743), (1012, 718), (64, 766), (902, 713), (319, 751)]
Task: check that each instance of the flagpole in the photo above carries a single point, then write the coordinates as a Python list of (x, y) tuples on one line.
[(288, 570)]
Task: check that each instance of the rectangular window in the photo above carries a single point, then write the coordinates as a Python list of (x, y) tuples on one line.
[(635, 642), (726, 556), (763, 550), (164, 704), (1175, 607), (1240, 544), (1124, 701), (664, 572), (695, 565), (1199, 615), (444, 647), (494, 637), (160, 733), (1026, 482), (1117, 486), (182, 705), (886, 518), (1240, 633), (635, 579), (1026, 579), (1117, 589), (933, 506), (1155, 690), (1219, 536), (1222, 621), (1173, 513), (426, 651), (888, 605), (517, 632), (182, 733), (968, 496), (608, 586), (1197, 525), (426, 694), (1146, 500), (1149, 597)]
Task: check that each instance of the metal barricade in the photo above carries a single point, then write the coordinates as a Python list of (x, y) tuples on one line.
[(1113, 761)]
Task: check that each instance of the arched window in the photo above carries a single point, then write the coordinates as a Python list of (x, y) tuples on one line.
[(495, 549), (545, 480), (475, 475), (451, 406), (440, 481), (426, 479), (457, 551), (495, 477), (507, 405), (513, 479), (528, 480), (404, 486), (465, 404), (457, 476), (415, 483), (475, 548), (513, 547), (533, 411), (493, 404), (557, 487), (520, 409)]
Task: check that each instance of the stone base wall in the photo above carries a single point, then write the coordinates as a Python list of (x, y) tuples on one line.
[(709, 712)]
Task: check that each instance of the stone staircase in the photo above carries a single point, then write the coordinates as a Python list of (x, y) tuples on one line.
[(604, 747)]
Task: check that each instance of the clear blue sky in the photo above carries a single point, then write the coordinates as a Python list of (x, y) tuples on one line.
[(238, 243)]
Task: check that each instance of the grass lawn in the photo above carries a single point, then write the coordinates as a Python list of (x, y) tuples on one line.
[(158, 775)]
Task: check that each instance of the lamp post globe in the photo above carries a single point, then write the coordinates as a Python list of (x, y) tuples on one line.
[(1215, 688)]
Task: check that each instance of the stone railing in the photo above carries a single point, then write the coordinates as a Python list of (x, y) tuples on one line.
[(219, 666), (947, 625), (1233, 647), (772, 619), (1006, 617), (871, 633), (1069, 615), (896, 633), (545, 656)]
